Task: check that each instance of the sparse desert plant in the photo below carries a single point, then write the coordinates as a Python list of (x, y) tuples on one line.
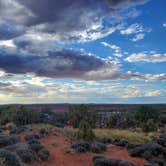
[(70, 133), (43, 154), (26, 155), (54, 143), (8, 158)]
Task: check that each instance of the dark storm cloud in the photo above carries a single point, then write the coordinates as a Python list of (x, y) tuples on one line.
[(60, 17), (36, 24), (63, 63), (8, 31)]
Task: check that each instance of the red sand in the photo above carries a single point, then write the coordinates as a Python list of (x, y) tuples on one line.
[(60, 158)]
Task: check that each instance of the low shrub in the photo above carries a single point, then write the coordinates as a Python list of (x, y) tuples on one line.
[(98, 147), (103, 161), (43, 154), (105, 140), (122, 143), (81, 147), (150, 164), (34, 141), (36, 147), (17, 130), (43, 132), (26, 154), (30, 137), (151, 151), (8, 140), (8, 158)]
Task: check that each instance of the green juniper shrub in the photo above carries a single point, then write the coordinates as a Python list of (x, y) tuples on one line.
[(79, 112), (8, 158), (149, 126), (7, 115), (43, 154), (85, 131), (147, 118)]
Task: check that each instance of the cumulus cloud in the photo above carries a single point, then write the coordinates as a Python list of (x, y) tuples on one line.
[(37, 90), (63, 63), (144, 57)]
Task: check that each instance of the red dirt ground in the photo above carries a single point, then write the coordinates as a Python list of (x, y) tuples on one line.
[(58, 157)]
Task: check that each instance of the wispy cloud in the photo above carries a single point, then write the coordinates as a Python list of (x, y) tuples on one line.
[(138, 37)]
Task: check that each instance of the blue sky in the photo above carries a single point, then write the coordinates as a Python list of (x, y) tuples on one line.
[(91, 51)]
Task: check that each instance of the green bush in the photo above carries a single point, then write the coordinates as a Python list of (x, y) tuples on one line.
[(26, 155), (30, 137), (85, 131), (145, 112), (149, 126), (98, 147), (36, 147), (43, 154), (79, 112), (8, 158), (8, 140)]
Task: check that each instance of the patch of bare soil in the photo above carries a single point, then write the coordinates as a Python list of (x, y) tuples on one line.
[(59, 155)]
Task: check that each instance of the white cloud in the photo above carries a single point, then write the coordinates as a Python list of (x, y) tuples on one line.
[(137, 30), (153, 93), (138, 37), (7, 43), (39, 90), (155, 77), (132, 29), (118, 54), (164, 24), (114, 47), (145, 57)]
